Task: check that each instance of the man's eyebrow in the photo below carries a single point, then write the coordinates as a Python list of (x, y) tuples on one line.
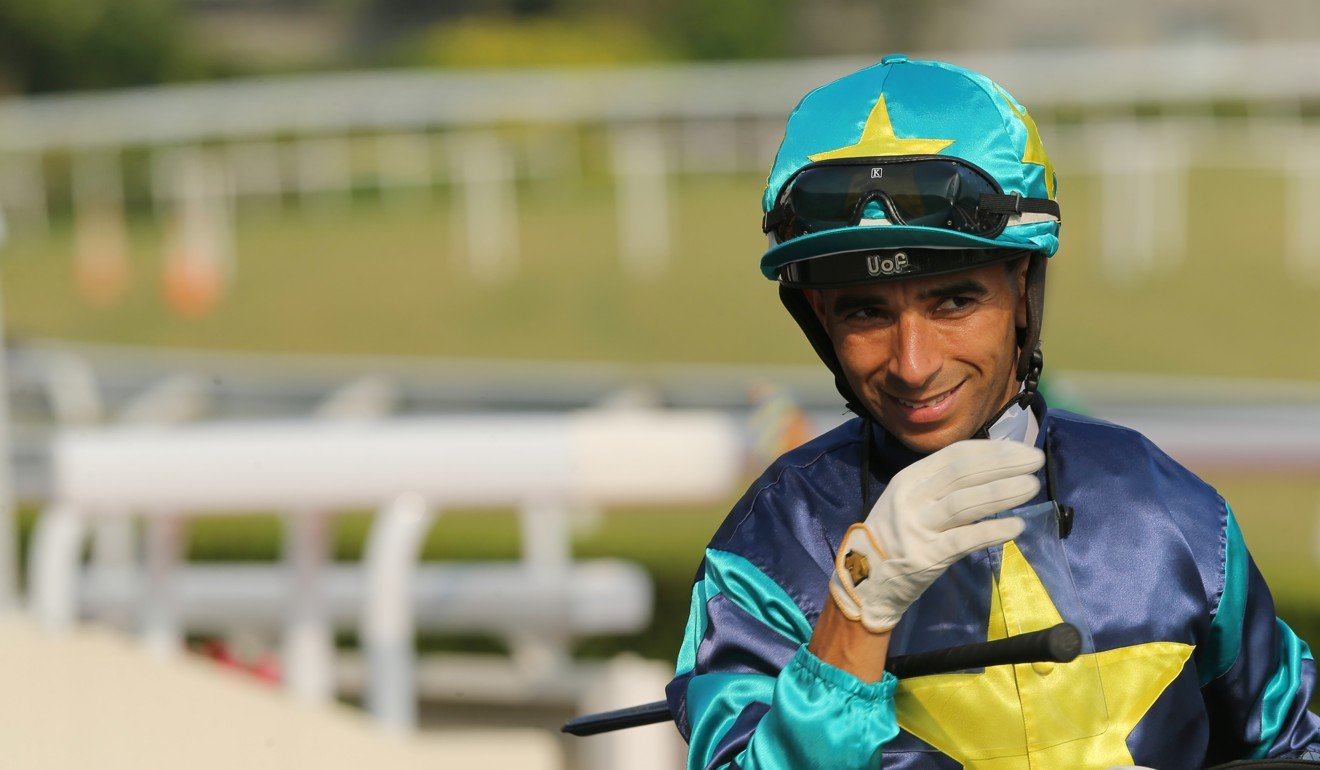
[(846, 303), (963, 288)]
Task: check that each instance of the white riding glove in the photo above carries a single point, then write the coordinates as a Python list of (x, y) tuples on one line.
[(928, 518)]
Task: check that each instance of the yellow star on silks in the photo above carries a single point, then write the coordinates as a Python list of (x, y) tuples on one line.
[(1076, 714), (1035, 152), (878, 138)]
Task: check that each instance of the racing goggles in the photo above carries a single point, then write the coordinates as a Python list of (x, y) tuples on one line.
[(916, 190)]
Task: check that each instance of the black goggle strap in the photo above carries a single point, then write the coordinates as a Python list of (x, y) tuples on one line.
[(1014, 204)]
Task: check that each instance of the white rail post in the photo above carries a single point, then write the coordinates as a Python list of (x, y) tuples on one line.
[(24, 189), (308, 644), (388, 639), (1169, 164), (1302, 171), (1127, 195), (627, 680), (307, 655), (114, 556), (161, 631), (491, 231), (8, 523), (546, 531), (642, 200), (53, 567)]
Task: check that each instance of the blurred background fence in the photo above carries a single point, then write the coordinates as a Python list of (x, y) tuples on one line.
[(289, 253), (190, 155)]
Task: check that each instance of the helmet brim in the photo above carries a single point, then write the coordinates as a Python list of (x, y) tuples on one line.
[(857, 239)]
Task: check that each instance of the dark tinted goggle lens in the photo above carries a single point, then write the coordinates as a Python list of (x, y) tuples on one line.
[(926, 193)]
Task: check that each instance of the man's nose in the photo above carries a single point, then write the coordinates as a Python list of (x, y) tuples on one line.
[(916, 358)]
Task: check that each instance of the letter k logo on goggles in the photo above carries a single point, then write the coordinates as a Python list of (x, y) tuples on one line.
[(916, 190)]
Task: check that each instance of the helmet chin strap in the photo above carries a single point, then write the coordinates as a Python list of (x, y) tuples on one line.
[(1024, 398)]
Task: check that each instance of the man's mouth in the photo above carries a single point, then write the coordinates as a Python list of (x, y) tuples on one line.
[(927, 409), (928, 402)]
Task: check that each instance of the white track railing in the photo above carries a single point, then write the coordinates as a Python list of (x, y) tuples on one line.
[(1272, 73), (546, 465)]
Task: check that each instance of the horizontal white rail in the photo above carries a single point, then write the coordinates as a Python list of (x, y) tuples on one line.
[(405, 100), (604, 457), (594, 597)]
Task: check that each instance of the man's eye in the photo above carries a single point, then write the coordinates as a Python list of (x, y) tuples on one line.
[(865, 315), (956, 303)]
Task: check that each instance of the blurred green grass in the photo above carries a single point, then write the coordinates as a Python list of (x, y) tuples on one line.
[(371, 278)]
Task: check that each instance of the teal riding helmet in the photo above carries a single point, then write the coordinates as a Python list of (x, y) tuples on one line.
[(908, 168)]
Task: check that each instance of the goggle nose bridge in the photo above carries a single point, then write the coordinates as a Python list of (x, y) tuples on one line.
[(876, 194)]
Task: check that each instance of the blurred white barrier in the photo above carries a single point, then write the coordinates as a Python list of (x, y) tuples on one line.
[(628, 681), (544, 464), (600, 596), (504, 459)]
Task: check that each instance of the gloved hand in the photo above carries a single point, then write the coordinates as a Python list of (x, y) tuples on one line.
[(927, 518)]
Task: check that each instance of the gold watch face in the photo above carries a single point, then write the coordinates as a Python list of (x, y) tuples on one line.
[(858, 567)]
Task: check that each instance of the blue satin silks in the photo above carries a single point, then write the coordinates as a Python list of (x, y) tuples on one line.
[(1162, 576)]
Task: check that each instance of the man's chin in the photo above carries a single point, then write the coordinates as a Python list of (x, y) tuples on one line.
[(930, 440)]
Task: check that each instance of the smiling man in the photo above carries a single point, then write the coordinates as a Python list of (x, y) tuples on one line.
[(930, 358), (911, 212)]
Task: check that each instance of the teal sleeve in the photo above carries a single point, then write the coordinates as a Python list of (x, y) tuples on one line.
[(740, 703), (1256, 674), (822, 716)]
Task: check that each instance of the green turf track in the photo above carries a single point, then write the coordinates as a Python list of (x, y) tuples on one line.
[(386, 279)]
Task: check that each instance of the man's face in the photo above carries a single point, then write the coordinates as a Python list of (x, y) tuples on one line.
[(932, 358)]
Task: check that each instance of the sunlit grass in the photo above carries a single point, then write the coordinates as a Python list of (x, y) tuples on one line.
[(371, 278)]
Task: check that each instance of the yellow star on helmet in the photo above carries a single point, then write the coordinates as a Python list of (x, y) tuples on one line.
[(878, 139), (1075, 714), (1035, 152)]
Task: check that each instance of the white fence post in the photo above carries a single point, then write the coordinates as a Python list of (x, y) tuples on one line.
[(1301, 168), (1168, 158), (23, 190), (627, 681), (642, 200), (8, 525), (161, 631), (545, 528), (1127, 196), (307, 654), (488, 200), (388, 639), (53, 567)]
